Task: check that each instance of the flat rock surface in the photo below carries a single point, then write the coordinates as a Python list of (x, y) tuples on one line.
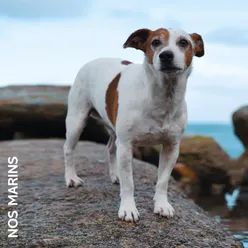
[(39, 112), (51, 215), (31, 102)]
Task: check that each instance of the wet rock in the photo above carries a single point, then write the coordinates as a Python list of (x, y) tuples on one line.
[(240, 207), (244, 181), (39, 112), (238, 170), (203, 156), (240, 122), (51, 215), (187, 179)]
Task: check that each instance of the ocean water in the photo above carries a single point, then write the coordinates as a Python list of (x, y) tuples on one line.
[(222, 133)]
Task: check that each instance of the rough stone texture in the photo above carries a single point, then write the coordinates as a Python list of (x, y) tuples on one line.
[(39, 112), (206, 159), (240, 122), (50, 215)]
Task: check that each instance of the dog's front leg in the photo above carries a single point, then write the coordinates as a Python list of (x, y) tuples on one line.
[(127, 210), (167, 159)]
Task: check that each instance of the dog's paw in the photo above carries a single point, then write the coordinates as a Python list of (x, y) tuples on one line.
[(128, 212), (114, 178), (164, 209), (73, 181)]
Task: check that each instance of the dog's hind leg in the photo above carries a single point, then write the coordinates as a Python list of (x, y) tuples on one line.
[(112, 158), (75, 122)]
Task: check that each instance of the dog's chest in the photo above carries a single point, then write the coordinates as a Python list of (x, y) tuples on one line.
[(150, 137), (153, 132), (159, 122)]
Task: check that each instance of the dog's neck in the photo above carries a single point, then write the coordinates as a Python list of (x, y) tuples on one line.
[(167, 92)]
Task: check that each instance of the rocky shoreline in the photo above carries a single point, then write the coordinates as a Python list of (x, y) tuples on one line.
[(29, 112), (50, 215)]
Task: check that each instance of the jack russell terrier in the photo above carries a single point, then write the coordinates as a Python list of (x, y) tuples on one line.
[(140, 105)]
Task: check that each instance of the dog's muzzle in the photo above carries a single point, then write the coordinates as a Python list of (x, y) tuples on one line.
[(166, 61)]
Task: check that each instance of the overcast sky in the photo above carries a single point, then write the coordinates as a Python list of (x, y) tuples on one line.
[(47, 41)]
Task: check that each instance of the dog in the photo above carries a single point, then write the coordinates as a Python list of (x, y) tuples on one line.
[(140, 105)]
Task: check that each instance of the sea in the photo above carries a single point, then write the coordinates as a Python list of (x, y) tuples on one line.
[(222, 133), (226, 138)]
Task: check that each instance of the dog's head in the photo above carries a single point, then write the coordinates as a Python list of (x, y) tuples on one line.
[(167, 50)]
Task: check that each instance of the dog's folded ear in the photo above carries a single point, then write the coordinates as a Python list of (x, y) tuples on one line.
[(198, 44), (138, 39)]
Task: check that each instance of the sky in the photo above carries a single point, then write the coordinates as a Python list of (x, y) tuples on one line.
[(47, 41)]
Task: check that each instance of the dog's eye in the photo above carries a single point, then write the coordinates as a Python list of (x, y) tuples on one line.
[(156, 43), (183, 43)]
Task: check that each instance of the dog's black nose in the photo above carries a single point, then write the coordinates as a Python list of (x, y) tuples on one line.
[(166, 56)]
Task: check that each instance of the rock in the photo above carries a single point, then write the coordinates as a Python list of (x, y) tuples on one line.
[(89, 218), (147, 154), (240, 122), (39, 112), (183, 171), (203, 156), (240, 207), (187, 179), (238, 169), (244, 181)]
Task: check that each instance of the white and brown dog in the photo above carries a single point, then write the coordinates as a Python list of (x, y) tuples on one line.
[(140, 105)]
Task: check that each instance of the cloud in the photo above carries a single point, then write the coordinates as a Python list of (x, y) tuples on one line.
[(120, 13), (213, 99), (231, 36), (51, 51), (38, 9)]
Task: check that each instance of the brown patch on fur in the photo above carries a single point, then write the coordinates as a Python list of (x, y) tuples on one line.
[(142, 39), (199, 45), (188, 54), (112, 99), (188, 51), (138, 39), (126, 62), (163, 35)]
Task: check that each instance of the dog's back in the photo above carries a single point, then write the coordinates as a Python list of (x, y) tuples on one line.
[(91, 83)]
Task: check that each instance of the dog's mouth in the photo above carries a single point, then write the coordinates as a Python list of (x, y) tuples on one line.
[(170, 69)]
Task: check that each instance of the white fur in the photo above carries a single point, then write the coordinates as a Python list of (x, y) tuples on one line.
[(152, 110)]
